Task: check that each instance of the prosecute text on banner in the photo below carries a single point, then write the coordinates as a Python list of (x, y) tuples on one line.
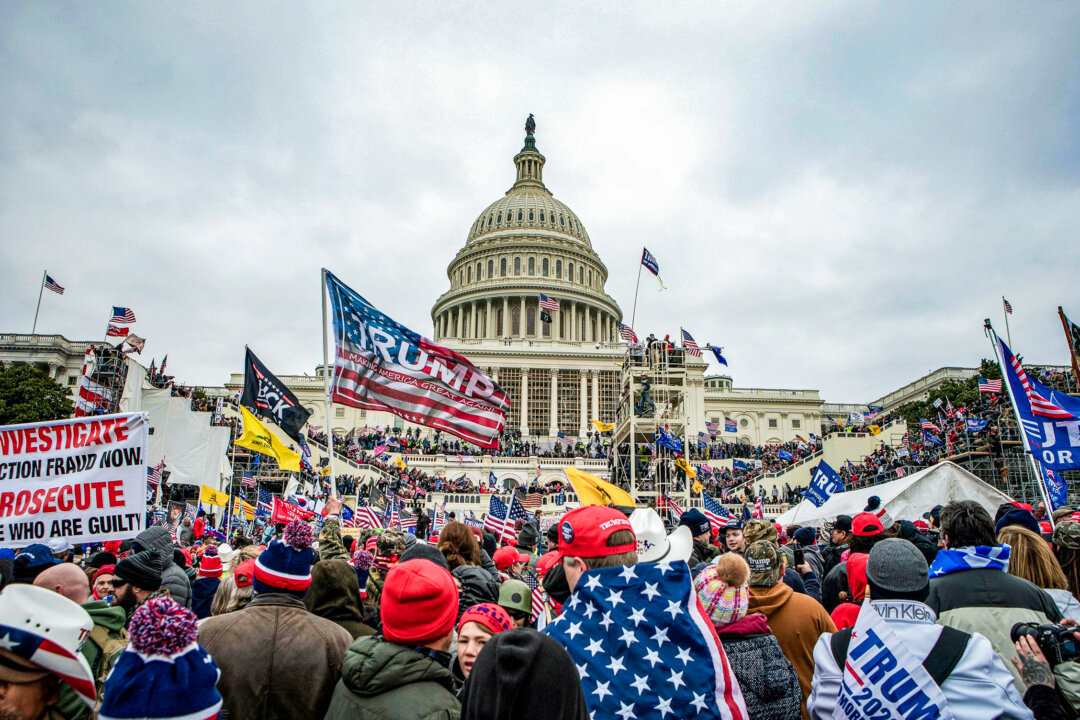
[(83, 480)]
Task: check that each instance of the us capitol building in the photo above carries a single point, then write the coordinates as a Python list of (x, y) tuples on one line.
[(559, 375)]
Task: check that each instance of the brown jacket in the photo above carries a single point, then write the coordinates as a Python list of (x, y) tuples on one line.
[(277, 660), (797, 621)]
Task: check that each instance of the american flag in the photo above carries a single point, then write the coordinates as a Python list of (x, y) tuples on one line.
[(928, 425), (1039, 405), (440, 518), (533, 501), (643, 647), (265, 505), (122, 315), (711, 426), (247, 479), (408, 521), (496, 517), (718, 515), (51, 284), (1008, 305), (69, 667), (365, 516), (153, 474), (989, 386), (627, 333), (383, 365), (689, 344), (93, 396), (348, 517), (547, 303), (668, 502), (730, 425), (759, 511), (537, 595)]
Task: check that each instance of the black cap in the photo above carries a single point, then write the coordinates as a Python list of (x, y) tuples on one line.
[(934, 516), (842, 523)]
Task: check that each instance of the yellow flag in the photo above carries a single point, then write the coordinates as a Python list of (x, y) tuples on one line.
[(210, 496), (249, 510), (258, 437), (591, 490), (685, 467), (697, 488), (603, 426), (875, 429), (400, 462)]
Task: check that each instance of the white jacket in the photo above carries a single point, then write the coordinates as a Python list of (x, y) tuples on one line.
[(979, 687), (1066, 603)]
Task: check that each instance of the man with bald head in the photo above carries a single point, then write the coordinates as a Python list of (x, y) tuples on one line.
[(107, 640)]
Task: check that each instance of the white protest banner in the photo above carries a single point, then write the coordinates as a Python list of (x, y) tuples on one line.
[(83, 480), (882, 679)]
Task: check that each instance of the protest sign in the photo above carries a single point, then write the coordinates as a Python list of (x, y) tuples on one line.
[(883, 679), (283, 512), (83, 480), (824, 483)]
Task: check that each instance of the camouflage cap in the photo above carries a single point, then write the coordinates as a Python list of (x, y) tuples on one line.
[(764, 561), (758, 529), (390, 542), (1067, 534)]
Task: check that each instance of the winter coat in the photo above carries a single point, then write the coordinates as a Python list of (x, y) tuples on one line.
[(104, 645), (832, 555), (702, 553), (157, 537), (488, 564), (477, 586), (277, 660), (926, 546), (202, 595), (812, 555), (334, 594), (769, 683), (978, 688), (797, 621), (990, 602), (383, 680), (1066, 603)]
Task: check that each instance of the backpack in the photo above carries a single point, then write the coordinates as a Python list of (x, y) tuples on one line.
[(109, 648), (942, 660)]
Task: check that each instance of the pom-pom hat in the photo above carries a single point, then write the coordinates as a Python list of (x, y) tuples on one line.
[(164, 672), (43, 630), (285, 565), (723, 590), (210, 567)]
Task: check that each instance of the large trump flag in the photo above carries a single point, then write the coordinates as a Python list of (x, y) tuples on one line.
[(383, 365)]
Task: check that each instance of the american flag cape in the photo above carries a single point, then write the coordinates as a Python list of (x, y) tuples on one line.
[(382, 365), (71, 668), (644, 648)]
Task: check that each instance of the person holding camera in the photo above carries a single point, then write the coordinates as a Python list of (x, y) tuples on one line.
[(1041, 695), (971, 676), (972, 590)]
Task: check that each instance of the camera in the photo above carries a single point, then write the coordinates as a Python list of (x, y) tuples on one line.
[(1058, 644)]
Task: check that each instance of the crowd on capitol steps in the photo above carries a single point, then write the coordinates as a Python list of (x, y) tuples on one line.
[(957, 613)]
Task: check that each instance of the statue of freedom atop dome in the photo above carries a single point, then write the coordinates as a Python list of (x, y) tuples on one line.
[(530, 125)]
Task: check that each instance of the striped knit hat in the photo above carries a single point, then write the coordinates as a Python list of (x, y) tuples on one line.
[(285, 565), (723, 590)]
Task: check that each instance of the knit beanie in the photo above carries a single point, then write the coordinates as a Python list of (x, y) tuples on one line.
[(897, 570), (210, 567), (418, 604), (1020, 517), (103, 570), (806, 536), (164, 672), (285, 565), (425, 551), (723, 590), (493, 617), (142, 569)]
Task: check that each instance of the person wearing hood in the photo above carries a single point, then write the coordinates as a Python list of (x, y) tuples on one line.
[(335, 595), (976, 686), (769, 683), (173, 576), (404, 673), (522, 673), (701, 531), (277, 660), (806, 540)]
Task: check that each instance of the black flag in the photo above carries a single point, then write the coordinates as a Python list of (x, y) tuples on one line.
[(267, 396), (544, 316)]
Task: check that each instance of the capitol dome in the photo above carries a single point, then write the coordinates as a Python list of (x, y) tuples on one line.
[(523, 245)]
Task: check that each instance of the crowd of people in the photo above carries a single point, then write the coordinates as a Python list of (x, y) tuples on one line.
[(587, 618)]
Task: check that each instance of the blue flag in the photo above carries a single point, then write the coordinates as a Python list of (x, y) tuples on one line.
[(664, 440), (643, 648), (492, 480), (824, 483), (649, 262), (1050, 418), (785, 455), (1056, 489), (740, 464), (717, 353), (929, 437), (975, 425)]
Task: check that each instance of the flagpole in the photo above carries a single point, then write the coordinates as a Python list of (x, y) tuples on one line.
[(1040, 480), (1005, 312), (42, 290), (637, 286), (1072, 350), (326, 385)]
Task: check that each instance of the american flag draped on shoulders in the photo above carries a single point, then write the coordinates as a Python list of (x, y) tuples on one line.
[(644, 648), (382, 365)]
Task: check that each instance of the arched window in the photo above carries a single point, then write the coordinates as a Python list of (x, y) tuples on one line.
[(515, 320), (590, 276), (517, 266), (531, 215), (469, 273), (546, 329), (491, 269), (558, 269), (461, 277), (541, 216), (498, 322), (480, 267), (530, 320), (544, 267), (562, 221), (498, 218), (581, 275), (502, 268), (570, 272), (519, 216), (532, 265)]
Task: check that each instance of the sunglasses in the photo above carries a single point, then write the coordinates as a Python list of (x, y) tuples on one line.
[(117, 582)]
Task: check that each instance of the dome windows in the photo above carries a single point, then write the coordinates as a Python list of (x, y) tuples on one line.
[(498, 218), (519, 216), (541, 216), (562, 221), (479, 267), (558, 269), (502, 267), (532, 266), (570, 272), (531, 216), (469, 273), (580, 275), (517, 266), (590, 277), (544, 267), (491, 269)]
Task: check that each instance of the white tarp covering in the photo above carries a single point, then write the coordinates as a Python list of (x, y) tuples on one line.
[(194, 451), (905, 498)]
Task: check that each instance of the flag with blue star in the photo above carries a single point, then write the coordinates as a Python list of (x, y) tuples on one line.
[(644, 649)]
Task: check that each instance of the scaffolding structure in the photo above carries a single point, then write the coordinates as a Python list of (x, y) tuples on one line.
[(106, 369), (652, 398)]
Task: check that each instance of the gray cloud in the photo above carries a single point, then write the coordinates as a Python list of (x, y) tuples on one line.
[(838, 193)]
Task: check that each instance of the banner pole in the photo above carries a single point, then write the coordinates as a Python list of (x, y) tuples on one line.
[(41, 289), (1040, 480), (326, 386), (637, 286)]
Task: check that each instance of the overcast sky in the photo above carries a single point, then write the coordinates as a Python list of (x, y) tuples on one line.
[(837, 193)]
